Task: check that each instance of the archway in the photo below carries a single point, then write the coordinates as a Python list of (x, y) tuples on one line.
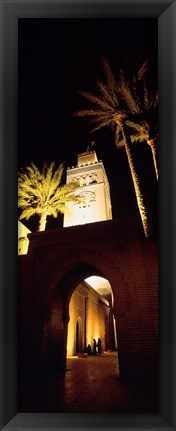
[(80, 336)]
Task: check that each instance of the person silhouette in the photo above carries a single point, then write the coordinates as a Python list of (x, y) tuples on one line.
[(94, 347), (89, 350), (99, 346)]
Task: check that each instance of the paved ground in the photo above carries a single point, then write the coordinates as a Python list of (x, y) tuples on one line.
[(92, 385)]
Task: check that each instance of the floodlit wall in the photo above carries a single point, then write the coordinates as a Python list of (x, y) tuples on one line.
[(23, 242), (92, 190), (86, 304)]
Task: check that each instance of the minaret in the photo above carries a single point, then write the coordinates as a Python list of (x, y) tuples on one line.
[(94, 202)]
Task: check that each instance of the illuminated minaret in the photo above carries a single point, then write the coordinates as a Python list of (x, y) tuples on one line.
[(94, 202)]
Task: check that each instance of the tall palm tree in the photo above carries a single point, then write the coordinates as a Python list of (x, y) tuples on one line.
[(141, 106), (41, 192), (107, 112)]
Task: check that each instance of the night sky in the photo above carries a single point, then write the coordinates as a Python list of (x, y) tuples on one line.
[(57, 59)]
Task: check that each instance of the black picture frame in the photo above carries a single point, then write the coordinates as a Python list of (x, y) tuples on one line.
[(10, 11)]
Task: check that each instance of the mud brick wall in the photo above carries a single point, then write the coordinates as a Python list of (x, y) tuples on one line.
[(59, 260)]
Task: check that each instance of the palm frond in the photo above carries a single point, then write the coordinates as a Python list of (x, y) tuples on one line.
[(88, 113), (63, 194), (126, 94), (110, 79), (58, 174), (136, 126), (47, 171), (101, 117), (143, 69), (106, 95), (101, 124), (120, 143), (53, 212), (54, 182), (146, 95), (27, 213), (98, 101), (138, 138)]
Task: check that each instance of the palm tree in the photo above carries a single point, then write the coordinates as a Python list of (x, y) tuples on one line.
[(107, 112), (142, 109), (41, 192)]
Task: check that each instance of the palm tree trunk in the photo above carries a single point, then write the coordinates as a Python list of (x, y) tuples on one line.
[(153, 147), (139, 197), (42, 222)]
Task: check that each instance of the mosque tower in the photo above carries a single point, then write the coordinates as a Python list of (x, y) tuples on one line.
[(94, 202)]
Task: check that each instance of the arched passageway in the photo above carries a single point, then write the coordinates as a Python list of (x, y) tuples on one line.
[(91, 317), (81, 310)]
